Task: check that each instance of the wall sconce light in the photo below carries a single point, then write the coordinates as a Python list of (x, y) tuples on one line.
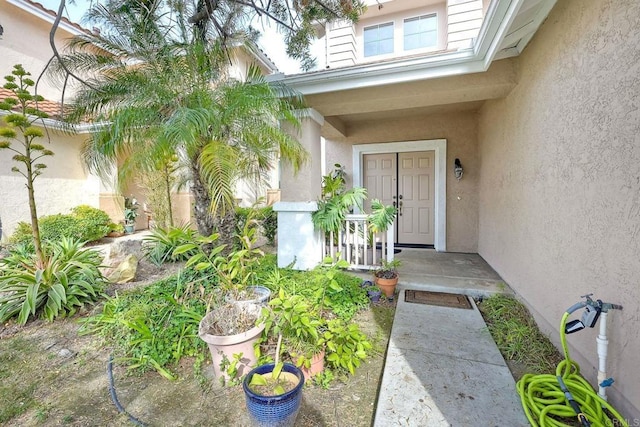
[(457, 169)]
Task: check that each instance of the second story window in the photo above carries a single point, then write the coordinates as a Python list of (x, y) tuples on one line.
[(378, 39), (421, 32)]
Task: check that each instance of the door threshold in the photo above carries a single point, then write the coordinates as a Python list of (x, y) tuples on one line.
[(408, 245)]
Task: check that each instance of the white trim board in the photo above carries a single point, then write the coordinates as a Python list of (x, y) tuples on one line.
[(440, 148)]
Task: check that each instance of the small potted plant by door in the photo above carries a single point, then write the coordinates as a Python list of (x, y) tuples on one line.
[(130, 214), (386, 276), (273, 393)]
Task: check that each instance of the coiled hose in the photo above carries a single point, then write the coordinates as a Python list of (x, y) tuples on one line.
[(545, 400)]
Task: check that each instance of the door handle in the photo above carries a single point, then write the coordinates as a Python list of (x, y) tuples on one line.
[(400, 208)]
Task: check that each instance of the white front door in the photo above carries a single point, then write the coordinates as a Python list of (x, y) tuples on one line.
[(407, 181)]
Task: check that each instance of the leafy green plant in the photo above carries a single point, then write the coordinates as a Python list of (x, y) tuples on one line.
[(235, 270), (160, 244), (264, 217), (346, 345), (381, 216), (292, 317), (152, 329), (270, 224), (336, 202), (68, 279)]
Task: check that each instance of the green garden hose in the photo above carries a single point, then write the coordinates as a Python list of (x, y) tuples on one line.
[(547, 398)]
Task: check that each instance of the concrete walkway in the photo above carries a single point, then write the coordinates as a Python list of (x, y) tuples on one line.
[(442, 367)]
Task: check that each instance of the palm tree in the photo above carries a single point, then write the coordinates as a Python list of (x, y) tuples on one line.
[(159, 87)]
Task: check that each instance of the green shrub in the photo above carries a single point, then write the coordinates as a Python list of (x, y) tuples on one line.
[(269, 223), (266, 218), (93, 222), (84, 223), (69, 279)]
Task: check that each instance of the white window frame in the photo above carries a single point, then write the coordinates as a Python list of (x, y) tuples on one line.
[(393, 44), (433, 15)]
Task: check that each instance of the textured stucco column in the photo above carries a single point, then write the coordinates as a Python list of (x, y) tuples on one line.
[(298, 242), (306, 185)]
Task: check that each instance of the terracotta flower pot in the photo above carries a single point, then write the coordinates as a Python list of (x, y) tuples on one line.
[(317, 366), (387, 286), (225, 346)]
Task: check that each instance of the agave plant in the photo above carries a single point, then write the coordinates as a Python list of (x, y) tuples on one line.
[(69, 279), (160, 243)]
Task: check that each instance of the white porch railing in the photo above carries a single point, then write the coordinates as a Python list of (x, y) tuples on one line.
[(355, 244)]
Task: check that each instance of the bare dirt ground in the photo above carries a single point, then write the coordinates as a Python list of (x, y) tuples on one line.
[(51, 376)]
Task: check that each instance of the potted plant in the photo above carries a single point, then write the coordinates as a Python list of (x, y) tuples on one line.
[(232, 327), (386, 276), (231, 332), (298, 326), (130, 214), (273, 392)]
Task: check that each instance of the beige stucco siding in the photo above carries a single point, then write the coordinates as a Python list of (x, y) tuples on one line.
[(460, 131), (62, 185), (26, 41), (560, 180)]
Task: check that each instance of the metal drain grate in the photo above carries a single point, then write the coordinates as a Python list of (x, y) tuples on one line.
[(441, 299)]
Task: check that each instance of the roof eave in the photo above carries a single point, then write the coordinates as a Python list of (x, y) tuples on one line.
[(44, 15), (499, 17)]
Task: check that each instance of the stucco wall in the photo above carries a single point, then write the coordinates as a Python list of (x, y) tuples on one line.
[(62, 185), (460, 131), (560, 180), (26, 41)]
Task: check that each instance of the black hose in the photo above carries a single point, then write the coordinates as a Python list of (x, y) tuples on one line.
[(114, 397)]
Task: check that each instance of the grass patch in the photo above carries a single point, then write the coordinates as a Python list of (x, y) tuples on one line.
[(16, 386), (517, 335)]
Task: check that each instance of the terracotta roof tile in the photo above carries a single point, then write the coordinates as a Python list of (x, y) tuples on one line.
[(54, 14), (52, 108)]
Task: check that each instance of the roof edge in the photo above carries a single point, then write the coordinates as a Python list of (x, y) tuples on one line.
[(48, 15), (495, 26)]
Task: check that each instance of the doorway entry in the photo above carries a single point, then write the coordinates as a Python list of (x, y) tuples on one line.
[(410, 175), (406, 181)]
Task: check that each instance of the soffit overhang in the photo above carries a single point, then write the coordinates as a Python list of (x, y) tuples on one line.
[(443, 82), (508, 27)]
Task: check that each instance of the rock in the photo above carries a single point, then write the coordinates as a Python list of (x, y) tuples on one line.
[(65, 353), (120, 249), (125, 271)]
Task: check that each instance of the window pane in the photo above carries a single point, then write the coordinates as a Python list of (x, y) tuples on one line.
[(420, 32), (378, 39), (385, 46)]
